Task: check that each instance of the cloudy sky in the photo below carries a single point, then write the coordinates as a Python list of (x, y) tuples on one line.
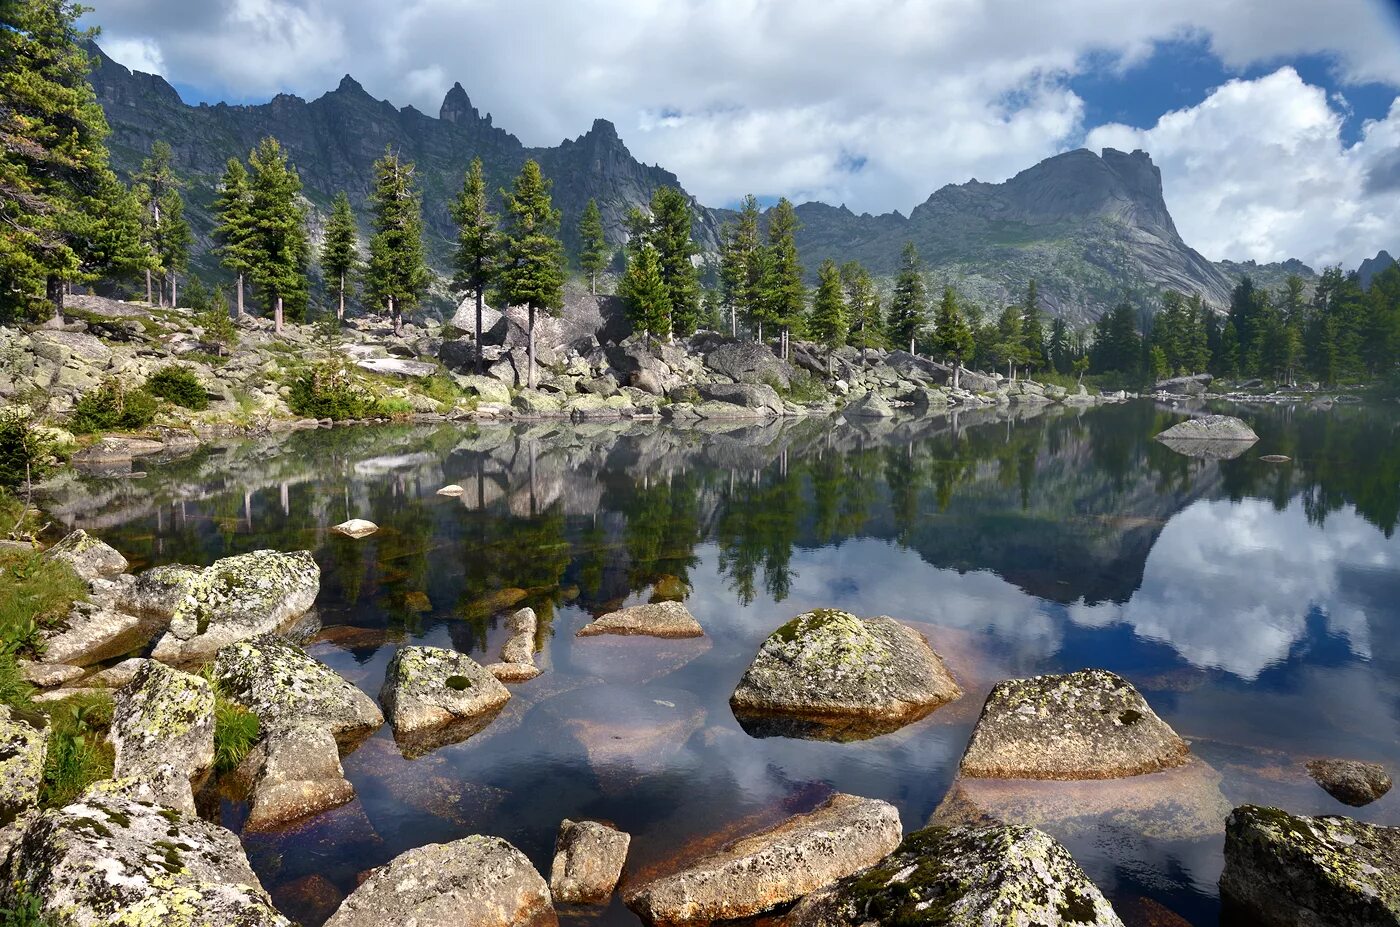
[(1274, 122)]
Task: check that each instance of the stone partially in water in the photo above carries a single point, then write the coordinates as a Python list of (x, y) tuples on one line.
[(164, 717), (520, 647), (1351, 782), (828, 674), (356, 528), (513, 672), (451, 489), (89, 557), (473, 882), (22, 749), (1283, 869), (775, 867), (435, 697), (588, 861), (297, 774), (1087, 725), (655, 619), (1210, 428), (964, 877)]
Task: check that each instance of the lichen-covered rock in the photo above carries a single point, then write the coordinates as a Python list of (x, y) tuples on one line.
[(163, 785), (1283, 870), (434, 697), (1351, 782), (520, 647), (964, 877), (588, 861), (278, 682), (237, 598), (47, 675), (22, 749), (767, 870), (1091, 724), (655, 619), (829, 674), (473, 882), (356, 528), (114, 677), (157, 592), (113, 861), (1209, 428), (297, 773), (164, 717), (93, 632), (89, 557)]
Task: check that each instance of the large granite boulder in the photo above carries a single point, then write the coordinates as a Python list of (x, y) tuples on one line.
[(96, 630), (237, 598), (89, 557), (22, 749), (829, 674), (1209, 428), (588, 861), (434, 697), (1283, 870), (158, 592), (757, 396), (164, 717), (655, 619), (775, 867), (1351, 782), (1194, 385), (293, 773), (473, 882), (1091, 724), (870, 405), (748, 362), (111, 860), (964, 877)]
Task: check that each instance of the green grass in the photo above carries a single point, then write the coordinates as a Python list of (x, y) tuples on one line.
[(36, 593), (440, 388), (236, 729), (14, 691), (78, 752)]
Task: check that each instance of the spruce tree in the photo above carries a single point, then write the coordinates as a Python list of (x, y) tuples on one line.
[(478, 255), (340, 251), (1033, 329), (952, 337), (741, 268), (867, 326), (278, 248), (670, 235), (1060, 349), (163, 227), (532, 273), (396, 276), (1010, 347), (829, 323), (234, 228), (783, 295), (909, 305), (593, 245), (648, 300)]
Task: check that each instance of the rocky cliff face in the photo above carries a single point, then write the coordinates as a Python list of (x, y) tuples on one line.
[(1372, 266)]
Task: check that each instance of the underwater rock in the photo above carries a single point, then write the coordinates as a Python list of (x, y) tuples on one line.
[(655, 619), (1091, 724), (356, 528), (473, 882), (964, 877), (1351, 782), (1275, 458), (1283, 869), (89, 557), (164, 717), (434, 697), (588, 861), (841, 677), (777, 866), (22, 749)]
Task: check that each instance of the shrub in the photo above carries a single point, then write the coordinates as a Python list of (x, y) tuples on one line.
[(78, 751), (112, 406), (180, 386), (329, 390), (217, 325), (26, 451), (26, 910)]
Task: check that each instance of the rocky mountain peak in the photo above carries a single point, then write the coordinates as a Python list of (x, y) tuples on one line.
[(348, 84), (457, 107), (1372, 266)]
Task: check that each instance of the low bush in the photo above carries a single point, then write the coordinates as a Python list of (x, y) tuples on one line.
[(111, 407), (331, 390), (26, 450), (180, 386), (78, 752)]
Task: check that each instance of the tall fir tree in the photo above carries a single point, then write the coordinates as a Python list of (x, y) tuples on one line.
[(670, 235), (340, 251), (829, 323), (867, 325), (164, 229), (1010, 348), (396, 276), (644, 291), (532, 273), (278, 247), (909, 304), (741, 267), (952, 336), (477, 257), (783, 297), (234, 230), (1033, 329), (1060, 348), (593, 245)]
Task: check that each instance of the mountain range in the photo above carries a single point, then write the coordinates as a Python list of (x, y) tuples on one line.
[(1091, 229)]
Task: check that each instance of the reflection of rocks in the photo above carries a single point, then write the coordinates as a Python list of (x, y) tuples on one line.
[(1176, 804), (1206, 448), (1214, 437), (1351, 782), (435, 697), (842, 677), (1283, 869), (655, 619), (163, 717), (630, 729), (961, 877), (588, 861), (1087, 725), (472, 882), (767, 870)]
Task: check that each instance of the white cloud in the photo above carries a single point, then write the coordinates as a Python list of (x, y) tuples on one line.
[(139, 54)]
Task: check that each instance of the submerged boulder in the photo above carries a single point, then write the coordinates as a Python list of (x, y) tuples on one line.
[(89, 557), (435, 697), (1091, 724), (108, 859), (22, 749), (1209, 428), (834, 675), (775, 867), (164, 717), (964, 877), (294, 772), (1351, 782), (588, 861), (655, 619), (237, 598), (1283, 869), (473, 882)]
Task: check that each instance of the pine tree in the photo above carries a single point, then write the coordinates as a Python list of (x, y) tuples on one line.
[(278, 248), (593, 245), (163, 229), (1010, 348), (396, 276), (863, 306), (783, 295), (532, 274), (670, 235), (478, 255), (175, 241), (952, 337), (65, 216), (234, 228), (1060, 349), (1033, 329), (218, 327), (829, 323), (647, 298), (909, 305), (741, 268), (340, 251)]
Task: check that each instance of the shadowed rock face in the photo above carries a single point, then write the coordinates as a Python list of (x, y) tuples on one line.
[(963, 877), (1087, 725), (1283, 869), (588, 861), (1351, 782)]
